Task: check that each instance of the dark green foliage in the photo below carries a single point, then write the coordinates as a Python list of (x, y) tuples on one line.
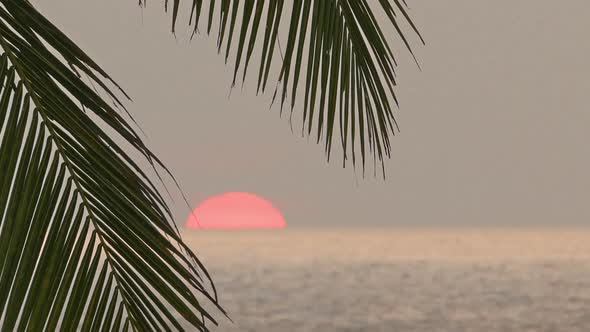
[(334, 50), (86, 240)]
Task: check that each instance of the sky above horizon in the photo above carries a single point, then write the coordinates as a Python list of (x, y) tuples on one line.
[(493, 128)]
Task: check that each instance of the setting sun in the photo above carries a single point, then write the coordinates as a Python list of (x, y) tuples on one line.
[(236, 210)]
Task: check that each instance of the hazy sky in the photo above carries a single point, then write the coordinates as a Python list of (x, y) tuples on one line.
[(494, 129)]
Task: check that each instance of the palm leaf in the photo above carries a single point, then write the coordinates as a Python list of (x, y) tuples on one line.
[(335, 50), (86, 240)]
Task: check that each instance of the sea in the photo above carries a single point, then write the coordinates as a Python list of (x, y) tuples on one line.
[(410, 279)]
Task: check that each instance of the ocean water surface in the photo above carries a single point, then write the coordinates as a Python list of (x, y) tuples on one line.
[(400, 279)]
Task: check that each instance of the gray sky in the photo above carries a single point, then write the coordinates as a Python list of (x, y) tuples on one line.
[(493, 129)]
